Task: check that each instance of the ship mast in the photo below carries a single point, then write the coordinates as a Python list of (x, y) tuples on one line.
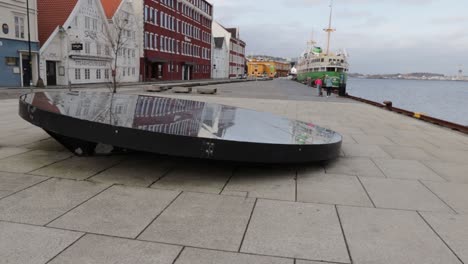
[(329, 30), (312, 41)]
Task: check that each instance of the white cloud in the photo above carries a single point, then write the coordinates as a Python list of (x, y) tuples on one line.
[(381, 36)]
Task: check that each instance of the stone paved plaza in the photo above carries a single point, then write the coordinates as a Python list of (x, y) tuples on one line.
[(397, 194)]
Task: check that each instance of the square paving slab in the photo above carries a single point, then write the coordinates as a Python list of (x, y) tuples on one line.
[(380, 236), (6, 152), (139, 171), (118, 211), (4, 193), (32, 244), (94, 249), (46, 201), (312, 262), (403, 194), (264, 182), (203, 178), (32, 160), (407, 169), (454, 194), (13, 182), (78, 168), (202, 256), (23, 139), (49, 144), (202, 220), (354, 166), (296, 230), (453, 172), (451, 155), (408, 153), (372, 140), (413, 141), (366, 151), (453, 229), (331, 189)]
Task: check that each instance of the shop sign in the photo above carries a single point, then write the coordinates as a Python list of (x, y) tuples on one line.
[(77, 46)]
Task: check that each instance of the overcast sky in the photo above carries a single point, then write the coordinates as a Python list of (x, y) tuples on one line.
[(381, 36)]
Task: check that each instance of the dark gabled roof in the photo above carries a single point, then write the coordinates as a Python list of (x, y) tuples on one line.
[(219, 42)]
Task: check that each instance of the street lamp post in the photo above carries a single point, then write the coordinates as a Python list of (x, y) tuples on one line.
[(29, 46)]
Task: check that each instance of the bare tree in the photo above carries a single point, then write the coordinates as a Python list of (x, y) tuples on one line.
[(120, 34)]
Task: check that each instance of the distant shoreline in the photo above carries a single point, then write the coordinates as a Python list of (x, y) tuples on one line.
[(407, 79)]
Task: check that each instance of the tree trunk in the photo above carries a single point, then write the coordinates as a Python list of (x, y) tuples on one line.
[(114, 83)]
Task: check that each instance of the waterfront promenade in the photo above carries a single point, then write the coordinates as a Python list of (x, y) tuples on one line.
[(397, 194)]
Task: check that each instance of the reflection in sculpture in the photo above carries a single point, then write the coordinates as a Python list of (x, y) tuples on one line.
[(82, 121)]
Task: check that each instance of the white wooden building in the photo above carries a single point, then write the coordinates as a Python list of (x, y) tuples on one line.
[(78, 42)]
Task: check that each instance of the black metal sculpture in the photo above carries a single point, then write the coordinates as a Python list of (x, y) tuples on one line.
[(88, 122)]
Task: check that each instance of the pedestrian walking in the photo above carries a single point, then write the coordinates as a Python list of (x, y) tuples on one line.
[(329, 85), (318, 84)]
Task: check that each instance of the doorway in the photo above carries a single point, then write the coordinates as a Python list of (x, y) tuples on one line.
[(27, 75), (187, 72), (51, 71)]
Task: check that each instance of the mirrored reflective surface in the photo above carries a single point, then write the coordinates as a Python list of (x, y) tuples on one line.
[(182, 117)]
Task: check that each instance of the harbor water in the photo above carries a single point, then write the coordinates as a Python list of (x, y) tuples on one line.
[(446, 100)]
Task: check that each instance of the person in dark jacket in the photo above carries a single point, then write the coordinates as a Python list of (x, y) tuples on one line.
[(329, 85)]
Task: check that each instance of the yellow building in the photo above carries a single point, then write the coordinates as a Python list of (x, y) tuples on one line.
[(282, 68), (272, 69)]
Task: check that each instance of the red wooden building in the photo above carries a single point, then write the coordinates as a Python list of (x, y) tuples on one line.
[(177, 40)]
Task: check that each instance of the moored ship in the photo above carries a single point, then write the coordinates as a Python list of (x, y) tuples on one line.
[(316, 63)]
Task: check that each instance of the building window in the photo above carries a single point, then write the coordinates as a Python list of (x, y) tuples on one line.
[(75, 21), (146, 45), (98, 49), (162, 20), (19, 27), (95, 24), (87, 48), (87, 74), (12, 61), (146, 14), (106, 74), (87, 22), (151, 38), (156, 16), (155, 43), (151, 15), (107, 50), (77, 74), (98, 74)]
